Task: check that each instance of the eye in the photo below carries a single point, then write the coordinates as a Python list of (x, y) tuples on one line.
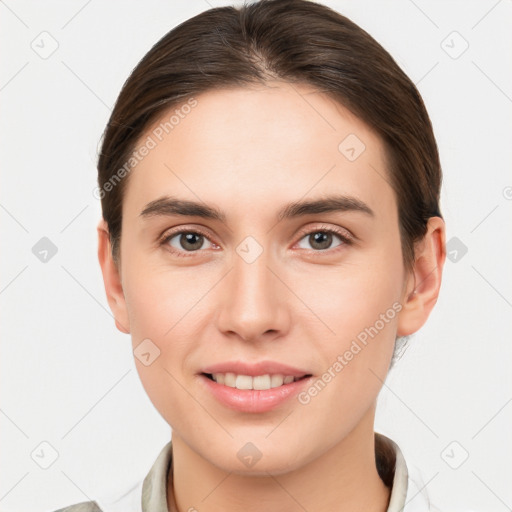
[(181, 242), (321, 239), (192, 241)]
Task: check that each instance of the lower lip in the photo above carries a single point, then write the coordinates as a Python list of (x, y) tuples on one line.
[(254, 400)]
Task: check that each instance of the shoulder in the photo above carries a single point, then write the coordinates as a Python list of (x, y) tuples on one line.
[(84, 506)]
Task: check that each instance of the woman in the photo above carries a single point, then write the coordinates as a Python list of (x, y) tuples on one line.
[(271, 233)]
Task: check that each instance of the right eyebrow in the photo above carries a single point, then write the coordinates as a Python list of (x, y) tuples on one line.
[(167, 206)]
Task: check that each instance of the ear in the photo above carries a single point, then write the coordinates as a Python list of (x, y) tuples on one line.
[(424, 282), (112, 279)]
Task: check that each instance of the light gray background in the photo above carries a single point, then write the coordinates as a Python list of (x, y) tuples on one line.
[(68, 376)]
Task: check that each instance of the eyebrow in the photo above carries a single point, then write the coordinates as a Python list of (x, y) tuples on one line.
[(169, 206)]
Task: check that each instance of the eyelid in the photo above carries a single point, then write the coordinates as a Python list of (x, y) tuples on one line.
[(345, 235), (182, 229)]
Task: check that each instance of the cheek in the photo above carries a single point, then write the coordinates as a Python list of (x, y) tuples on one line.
[(350, 299), (360, 306), (156, 299), (161, 309), (171, 308), (361, 310)]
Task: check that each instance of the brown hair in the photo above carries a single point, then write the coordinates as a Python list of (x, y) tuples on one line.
[(297, 41)]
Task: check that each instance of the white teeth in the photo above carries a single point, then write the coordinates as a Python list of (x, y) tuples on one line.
[(229, 379), (243, 382), (276, 381), (260, 382)]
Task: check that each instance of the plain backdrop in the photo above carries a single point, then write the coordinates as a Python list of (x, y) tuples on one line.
[(71, 399)]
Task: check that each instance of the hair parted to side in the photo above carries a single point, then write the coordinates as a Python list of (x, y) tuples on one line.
[(297, 41)]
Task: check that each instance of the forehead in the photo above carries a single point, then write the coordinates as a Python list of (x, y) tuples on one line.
[(259, 147)]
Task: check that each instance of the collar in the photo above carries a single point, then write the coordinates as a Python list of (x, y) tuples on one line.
[(150, 495)]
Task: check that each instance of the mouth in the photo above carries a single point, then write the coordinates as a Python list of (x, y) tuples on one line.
[(254, 382), (254, 393), (254, 387)]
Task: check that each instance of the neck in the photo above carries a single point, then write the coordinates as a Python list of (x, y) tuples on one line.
[(344, 478)]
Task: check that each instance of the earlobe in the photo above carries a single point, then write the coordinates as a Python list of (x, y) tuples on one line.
[(112, 279), (424, 283)]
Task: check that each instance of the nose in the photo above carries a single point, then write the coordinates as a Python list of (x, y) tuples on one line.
[(253, 299)]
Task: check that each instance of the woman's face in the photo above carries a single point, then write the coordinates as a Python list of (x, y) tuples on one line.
[(265, 281)]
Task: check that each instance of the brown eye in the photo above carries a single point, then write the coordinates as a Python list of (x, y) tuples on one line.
[(186, 241), (322, 239)]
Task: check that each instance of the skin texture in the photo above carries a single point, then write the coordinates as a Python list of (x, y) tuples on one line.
[(249, 151)]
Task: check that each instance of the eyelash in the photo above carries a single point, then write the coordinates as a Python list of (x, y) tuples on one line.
[(346, 240)]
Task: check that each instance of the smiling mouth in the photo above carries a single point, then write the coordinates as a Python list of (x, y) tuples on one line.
[(258, 382)]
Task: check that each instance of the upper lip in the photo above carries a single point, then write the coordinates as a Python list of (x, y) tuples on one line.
[(253, 369)]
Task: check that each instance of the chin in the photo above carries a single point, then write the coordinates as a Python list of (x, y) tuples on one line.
[(257, 457)]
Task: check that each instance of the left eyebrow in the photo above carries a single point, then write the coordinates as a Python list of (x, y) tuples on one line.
[(336, 203), (168, 206)]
